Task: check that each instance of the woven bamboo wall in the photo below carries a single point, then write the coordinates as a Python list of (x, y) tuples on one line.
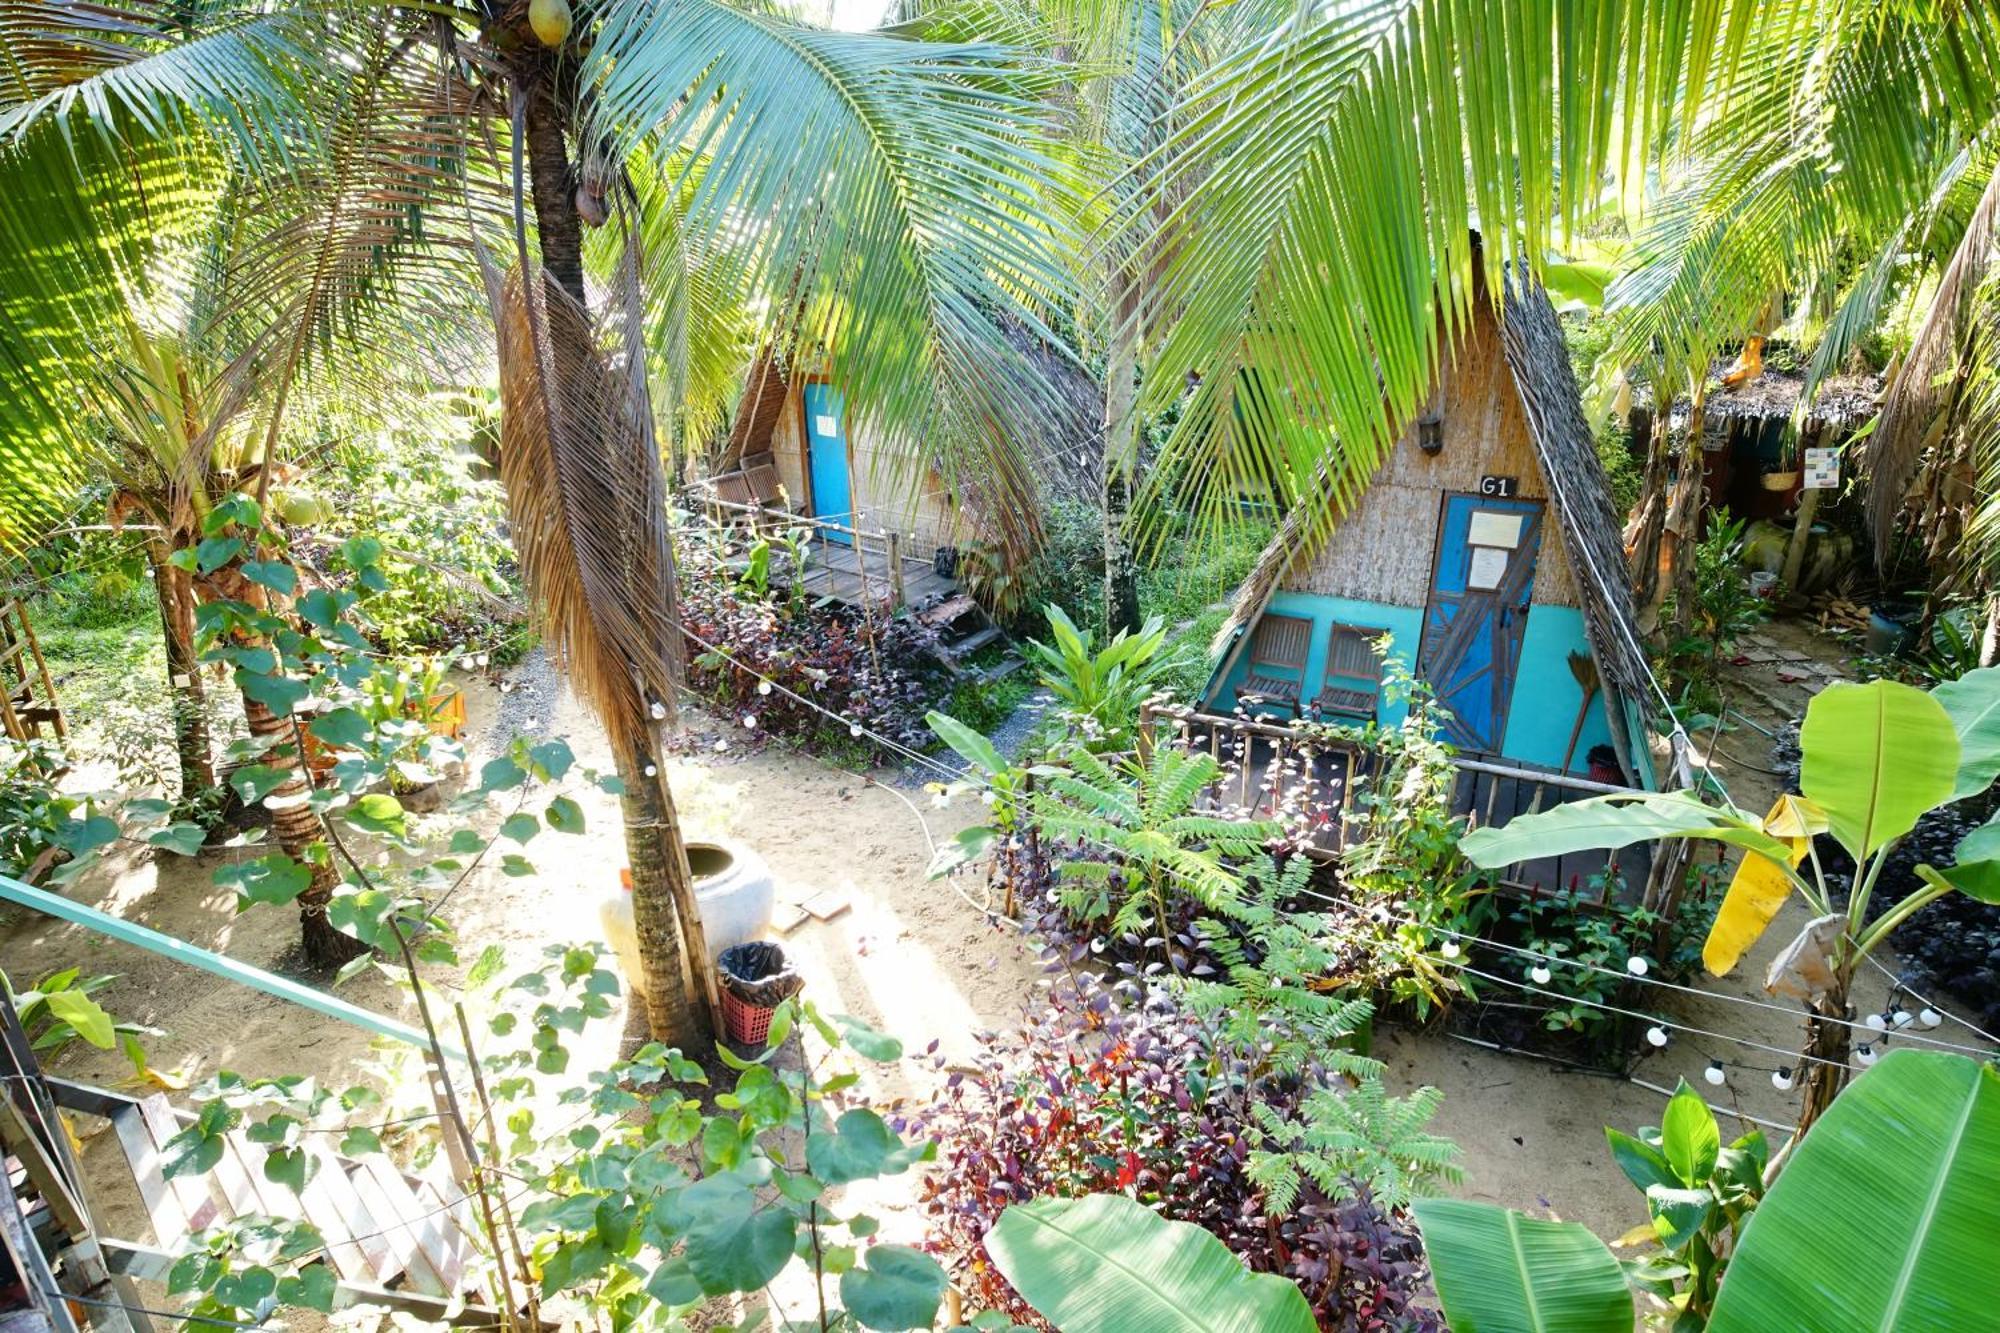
[(1382, 551), (880, 496)]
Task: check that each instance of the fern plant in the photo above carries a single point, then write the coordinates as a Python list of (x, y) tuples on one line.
[(1286, 1017), (1162, 847), (1338, 1138)]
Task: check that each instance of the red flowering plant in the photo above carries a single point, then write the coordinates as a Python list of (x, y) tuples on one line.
[(1117, 1088)]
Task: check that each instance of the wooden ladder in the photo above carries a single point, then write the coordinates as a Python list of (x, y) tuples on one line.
[(28, 704)]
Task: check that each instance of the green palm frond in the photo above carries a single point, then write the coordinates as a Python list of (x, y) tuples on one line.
[(900, 186), (1320, 266), (96, 236), (154, 67)]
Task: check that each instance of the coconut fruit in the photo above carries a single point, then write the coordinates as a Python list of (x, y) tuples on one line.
[(301, 509), (551, 21)]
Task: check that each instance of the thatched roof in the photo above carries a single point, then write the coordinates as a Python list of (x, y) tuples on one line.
[(1842, 404), (1538, 359), (1538, 363), (757, 412)]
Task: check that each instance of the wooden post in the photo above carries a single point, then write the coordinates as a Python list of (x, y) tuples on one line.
[(897, 599)]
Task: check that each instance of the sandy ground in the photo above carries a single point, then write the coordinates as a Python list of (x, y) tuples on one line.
[(912, 956)]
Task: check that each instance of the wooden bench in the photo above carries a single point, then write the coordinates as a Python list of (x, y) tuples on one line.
[(1277, 663), (1352, 686)]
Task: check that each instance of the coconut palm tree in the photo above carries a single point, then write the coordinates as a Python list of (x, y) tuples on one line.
[(890, 189)]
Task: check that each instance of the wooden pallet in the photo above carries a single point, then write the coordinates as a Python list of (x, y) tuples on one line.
[(393, 1239)]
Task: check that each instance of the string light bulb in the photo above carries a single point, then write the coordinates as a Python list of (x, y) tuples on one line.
[(1636, 965), (1877, 1023), (721, 745), (658, 710), (1656, 1035), (652, 770), (1450, 949), (763, 687), (854, 730), (1781, 1079), (1929, 1017), (1864, 1055), (750, 721), (1539, 973), (1902, 1018), (1715, 1074)]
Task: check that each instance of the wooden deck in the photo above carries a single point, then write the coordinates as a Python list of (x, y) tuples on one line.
[(855, 574), (1266, 767)]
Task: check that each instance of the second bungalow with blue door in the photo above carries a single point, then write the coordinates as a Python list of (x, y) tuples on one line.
[(1486, 549)]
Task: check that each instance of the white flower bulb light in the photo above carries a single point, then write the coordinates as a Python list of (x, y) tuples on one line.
[(1877, 1022), (1450, 949), (1781, 1079), (855, 731), (721, 745), (750, 721), (1656, 1035), (1636, 965), (1715, 1074), (1864, 1055), (1902, 1018), (1929, 1017), (652, 770), (658, 710), (1539, 974)]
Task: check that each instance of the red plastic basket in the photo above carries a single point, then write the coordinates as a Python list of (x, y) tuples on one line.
[(747, 1023)]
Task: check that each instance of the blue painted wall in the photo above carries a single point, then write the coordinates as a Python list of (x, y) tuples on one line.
[(1546, 695), (1405, 623)]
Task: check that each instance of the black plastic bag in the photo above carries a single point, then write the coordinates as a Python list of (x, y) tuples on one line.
[(758, 973)]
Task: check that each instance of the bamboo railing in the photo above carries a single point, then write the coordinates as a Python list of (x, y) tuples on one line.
[(1265, 763)]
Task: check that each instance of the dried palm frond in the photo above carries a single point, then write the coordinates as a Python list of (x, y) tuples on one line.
[(586, 506), (1923, 388)]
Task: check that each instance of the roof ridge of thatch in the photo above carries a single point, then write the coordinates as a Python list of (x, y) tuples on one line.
[(1579, 492)]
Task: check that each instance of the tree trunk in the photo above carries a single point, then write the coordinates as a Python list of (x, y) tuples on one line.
[(664, 910), (1120, 464), (1825, 1042), (299, 834), (654, 846), (175, 590), (1642, 533), (1681, 529)]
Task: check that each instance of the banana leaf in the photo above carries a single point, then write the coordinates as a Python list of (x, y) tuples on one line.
[(1887, 1216), (1104, 1264), (1876, 758), (1499, 1271), (1615, 821), (1973, 701)]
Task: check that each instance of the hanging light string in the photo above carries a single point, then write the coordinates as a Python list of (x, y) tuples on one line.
[(1931, 1005), (857, 729), (1645, 977)]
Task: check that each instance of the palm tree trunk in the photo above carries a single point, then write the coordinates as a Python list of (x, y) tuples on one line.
[(657, 853), (1642, 531), (297, 829), (175, 590), (666, 918), (1121, 459)]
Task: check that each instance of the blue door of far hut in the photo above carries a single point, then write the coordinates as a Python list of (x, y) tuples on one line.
[(1477, 610), (826, 446)]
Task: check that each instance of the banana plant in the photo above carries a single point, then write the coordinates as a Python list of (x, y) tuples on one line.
[(1877, 758), (1100, 689), (1883, 1219)]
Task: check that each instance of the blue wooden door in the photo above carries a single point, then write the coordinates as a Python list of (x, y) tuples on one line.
[(826, 448), (1481, 579)]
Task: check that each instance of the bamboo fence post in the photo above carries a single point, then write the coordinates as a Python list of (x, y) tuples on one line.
[(896, 595)]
